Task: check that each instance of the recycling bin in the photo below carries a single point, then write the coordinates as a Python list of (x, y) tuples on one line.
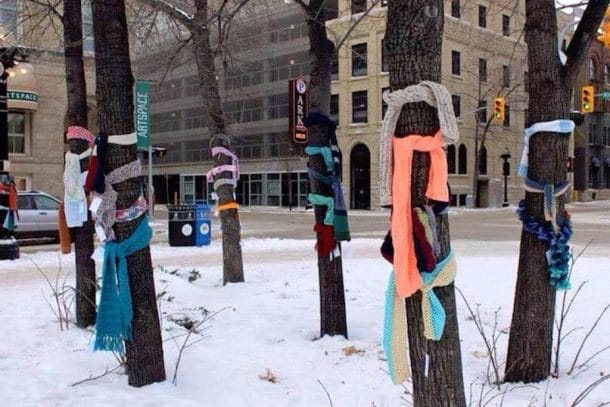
[(203, 225), (181, 225)]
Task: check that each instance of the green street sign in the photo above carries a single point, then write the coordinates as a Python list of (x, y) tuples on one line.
[(142, 102), (21, 95), (605, 95)]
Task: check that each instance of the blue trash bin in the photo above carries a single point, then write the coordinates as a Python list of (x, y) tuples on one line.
[(203, 225)]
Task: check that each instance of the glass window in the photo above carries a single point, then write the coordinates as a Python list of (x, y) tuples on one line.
[(385, 67), (482, 70), (87, 26), (482, 16), (506, 25), (462, 160), (506, 76), (273, 189), (482, 114), (45, 202), (384, 105), (455, 62), (483, 161), (506, 122), (16, 133), (8, 17), (332, 9), (334, 69), (25, 202), (451, 159), (359, 107), (457, 102), (455, 8), (359, 60), (591, 69), (358, 6), (334, 108)]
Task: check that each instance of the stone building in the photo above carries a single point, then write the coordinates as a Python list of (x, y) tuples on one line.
[(592, 138), (483, 56), (37, 97)]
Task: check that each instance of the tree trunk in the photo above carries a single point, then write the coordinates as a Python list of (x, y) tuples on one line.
[(77, 116), (413, 41), (550, 87), (531, 333), (332, 294), (232, 261), (114, 82)]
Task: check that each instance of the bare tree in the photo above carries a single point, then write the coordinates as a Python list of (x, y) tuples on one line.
[(330, 269), (413, 41), (77, 116), (550, 90), (197, 21), (114, 84)]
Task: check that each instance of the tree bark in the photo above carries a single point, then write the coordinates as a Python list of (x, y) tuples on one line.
[(413, 40), (114, 82), (531, 334), (77, 116), (330, 271), (232, 260)]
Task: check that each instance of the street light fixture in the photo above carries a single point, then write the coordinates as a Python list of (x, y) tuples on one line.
[(506, 172)]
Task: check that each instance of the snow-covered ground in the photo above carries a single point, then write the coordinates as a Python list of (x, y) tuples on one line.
[(268, 327)]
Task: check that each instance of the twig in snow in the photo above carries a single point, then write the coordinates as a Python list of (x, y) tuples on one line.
[(583, 395), (490, 343), (192, 329), (566, 310), (327, 394), (92, 378), (582, 344)]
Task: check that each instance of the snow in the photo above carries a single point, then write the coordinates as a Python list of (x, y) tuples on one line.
[(272, 322)]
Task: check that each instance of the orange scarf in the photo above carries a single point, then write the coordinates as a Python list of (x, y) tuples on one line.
[(408, 279)]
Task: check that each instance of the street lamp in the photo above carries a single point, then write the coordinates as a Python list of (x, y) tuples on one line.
[(9, 249), (505, 171)]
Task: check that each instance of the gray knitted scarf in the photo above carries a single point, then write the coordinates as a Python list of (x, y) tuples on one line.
[(106, 213), (434, 94)]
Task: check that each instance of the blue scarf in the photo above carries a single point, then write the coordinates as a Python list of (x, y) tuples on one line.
[(115, 312)]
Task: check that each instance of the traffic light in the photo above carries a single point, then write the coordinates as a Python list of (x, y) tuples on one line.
[(587, 99), (499, 104), (605, 27)]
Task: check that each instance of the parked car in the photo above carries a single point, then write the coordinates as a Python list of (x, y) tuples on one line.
[(38, 215)]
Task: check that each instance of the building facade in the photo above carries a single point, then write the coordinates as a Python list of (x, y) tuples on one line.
[(592, 138), (37, 97), (483, 56), (253, 82)]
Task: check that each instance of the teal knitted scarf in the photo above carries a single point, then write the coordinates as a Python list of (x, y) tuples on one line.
[(115, 312)]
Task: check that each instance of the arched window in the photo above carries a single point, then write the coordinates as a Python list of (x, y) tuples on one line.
[(607, 73), (462, 160), (483, 161), (591, 69), (451, 159)]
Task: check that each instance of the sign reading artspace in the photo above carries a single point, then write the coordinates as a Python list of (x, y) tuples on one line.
[(297, 107), (142, 96), (19, 99)]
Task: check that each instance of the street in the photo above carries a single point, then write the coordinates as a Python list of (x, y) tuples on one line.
[(499, 224)]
